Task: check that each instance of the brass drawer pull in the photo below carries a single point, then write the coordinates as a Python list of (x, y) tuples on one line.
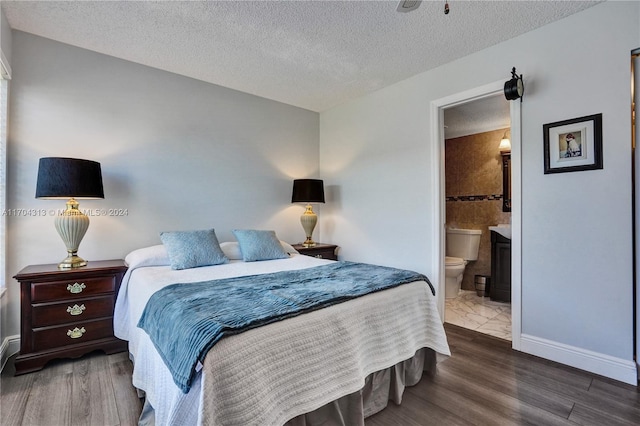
[(76, 310), (76, 288), (318, 256), (76, 332)]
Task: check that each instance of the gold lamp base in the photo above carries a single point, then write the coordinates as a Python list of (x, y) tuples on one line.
[(309, 243), (72, 224), (309, 220), (72, 261)]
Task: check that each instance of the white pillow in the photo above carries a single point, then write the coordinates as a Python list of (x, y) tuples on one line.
[(148, 256), (288, 248), (231, 249)]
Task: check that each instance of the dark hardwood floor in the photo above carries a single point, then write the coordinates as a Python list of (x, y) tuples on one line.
[(93, 390), (484, 382)]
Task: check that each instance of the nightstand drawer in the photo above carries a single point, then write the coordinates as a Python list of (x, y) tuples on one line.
[(323, 254), (67, 289), (69, 334), (320, 251), (45, 314)]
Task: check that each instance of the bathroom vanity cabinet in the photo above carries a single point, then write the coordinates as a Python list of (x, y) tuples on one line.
[(500, 289)]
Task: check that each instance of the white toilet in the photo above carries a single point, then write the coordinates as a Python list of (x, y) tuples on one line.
[(462, 246)]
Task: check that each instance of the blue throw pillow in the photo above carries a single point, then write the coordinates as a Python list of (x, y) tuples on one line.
[(259, 245), (191, 249)]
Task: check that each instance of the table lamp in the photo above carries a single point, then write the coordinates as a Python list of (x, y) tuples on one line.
[(308, 191), (70, 178)]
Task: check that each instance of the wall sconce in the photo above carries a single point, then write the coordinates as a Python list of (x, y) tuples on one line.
[(505, 144), (514, 88)]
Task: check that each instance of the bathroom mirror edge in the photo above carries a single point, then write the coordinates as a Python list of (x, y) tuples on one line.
[(506, 182)]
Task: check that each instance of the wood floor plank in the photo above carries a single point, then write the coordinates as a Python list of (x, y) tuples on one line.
[(561, 380), (527, 366), (556, 387), (82, 407), (102, 389), (127, 401), (93, 393), (472, 411), (504, 381), (515, 410), (585, 415), (608, 388), (15, 394), (50, 400), (415, 411)]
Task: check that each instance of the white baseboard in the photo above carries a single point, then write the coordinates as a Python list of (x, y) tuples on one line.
[(594, 362), (10, 346)]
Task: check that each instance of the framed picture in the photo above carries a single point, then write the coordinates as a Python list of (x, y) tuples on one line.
[(573, 145)]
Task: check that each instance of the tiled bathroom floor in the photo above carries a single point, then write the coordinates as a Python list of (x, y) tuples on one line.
[(471, 311)]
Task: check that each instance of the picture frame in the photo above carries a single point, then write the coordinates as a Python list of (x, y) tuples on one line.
[(573, 145)]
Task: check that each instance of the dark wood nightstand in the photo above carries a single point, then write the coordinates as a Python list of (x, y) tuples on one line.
[(67, 313), (321, 251)]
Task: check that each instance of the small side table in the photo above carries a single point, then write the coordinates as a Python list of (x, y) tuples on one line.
[(67, 313), (321, 251)]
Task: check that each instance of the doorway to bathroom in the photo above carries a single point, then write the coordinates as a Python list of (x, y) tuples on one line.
[(477, 148), (473, 190)]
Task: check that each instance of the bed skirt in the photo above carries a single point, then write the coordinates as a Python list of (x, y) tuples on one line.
[(351, 410)]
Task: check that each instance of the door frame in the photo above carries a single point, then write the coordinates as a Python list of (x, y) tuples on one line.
[(438, 178)]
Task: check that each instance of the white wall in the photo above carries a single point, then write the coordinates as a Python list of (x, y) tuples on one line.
[(5, 54), (176, 153), (376, 157)]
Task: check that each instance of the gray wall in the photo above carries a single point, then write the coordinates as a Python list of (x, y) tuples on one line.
[(176, 153), (576, 227)]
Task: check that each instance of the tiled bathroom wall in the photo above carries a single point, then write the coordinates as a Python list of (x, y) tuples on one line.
[(473, 176)]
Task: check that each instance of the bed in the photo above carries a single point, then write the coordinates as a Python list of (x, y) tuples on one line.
[(334, 365)]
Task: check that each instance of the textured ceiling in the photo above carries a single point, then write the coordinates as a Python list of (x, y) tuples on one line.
[(310, 54)]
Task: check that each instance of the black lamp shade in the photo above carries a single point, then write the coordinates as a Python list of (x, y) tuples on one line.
[(307, 191), (69, 178)]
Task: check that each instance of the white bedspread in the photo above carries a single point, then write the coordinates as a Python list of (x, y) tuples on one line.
[(268, 375)]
